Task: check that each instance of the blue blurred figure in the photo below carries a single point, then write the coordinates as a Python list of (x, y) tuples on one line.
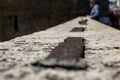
[(95, 10)]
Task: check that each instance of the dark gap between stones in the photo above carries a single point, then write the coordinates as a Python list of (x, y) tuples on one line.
[(78, 29), (68, 54)]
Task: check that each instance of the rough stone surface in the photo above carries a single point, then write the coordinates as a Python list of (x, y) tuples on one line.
[(102, 49)]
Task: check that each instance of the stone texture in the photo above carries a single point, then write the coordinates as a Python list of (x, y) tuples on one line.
[(71, 64), (101, 49)]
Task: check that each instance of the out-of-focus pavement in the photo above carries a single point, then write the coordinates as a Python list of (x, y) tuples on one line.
[(102, 52)]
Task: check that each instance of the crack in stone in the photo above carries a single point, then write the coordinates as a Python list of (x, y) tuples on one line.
[(115, 64)]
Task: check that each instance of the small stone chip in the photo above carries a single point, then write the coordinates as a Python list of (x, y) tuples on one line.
[(83, 22)]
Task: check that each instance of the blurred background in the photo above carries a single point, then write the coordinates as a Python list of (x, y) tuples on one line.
[(21, 17)]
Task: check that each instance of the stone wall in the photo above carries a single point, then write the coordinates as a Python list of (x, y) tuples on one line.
[(20, 17)]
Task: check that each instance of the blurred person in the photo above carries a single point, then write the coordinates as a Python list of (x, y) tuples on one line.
[(113, 15), (95, 10)]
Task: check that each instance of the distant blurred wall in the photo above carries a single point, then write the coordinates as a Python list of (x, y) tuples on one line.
[(20, 17)]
